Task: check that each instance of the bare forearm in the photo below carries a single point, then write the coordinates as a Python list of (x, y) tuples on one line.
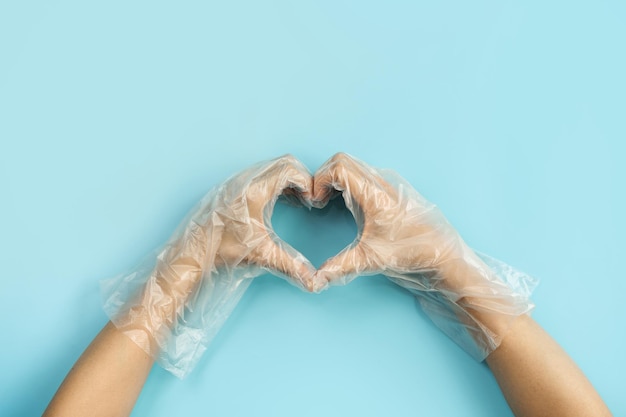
[(105, 381), (538, 378), (536, 375)]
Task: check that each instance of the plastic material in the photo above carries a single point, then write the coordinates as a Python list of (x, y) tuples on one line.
[(472, 298), (175, 302)]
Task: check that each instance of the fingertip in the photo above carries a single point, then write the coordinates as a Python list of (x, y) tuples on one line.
[(331, 273), (301, 180), (334, 177), (324, 189), (341, 157), (296, 269), (320, 199), (345, 266), (306, 198), (319, 283)]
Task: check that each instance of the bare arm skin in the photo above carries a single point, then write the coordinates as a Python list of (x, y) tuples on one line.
[(535, 374), (105, 381), (538, 378)]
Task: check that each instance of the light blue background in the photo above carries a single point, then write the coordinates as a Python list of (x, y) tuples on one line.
[(116, 117)]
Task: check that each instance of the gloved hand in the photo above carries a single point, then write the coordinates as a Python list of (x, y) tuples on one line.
[(406, 238), (173, 307)]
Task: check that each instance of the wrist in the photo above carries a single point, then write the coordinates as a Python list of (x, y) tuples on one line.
[(475, 288)]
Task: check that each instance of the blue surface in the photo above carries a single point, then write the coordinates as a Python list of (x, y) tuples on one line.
[(115, 118)]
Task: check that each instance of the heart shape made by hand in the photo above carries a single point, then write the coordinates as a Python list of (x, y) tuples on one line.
[(319, 233), (399, 234), (399, 231)]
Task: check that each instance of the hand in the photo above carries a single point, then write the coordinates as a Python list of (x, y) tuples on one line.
[(203, 270), (399, 231), (408, 239), (231, 229)]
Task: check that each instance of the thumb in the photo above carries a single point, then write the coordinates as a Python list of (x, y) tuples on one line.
[(281, 259), (347, 265)]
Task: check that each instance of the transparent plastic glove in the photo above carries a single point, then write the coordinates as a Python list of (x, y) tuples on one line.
[(173, 306), (471, 298)]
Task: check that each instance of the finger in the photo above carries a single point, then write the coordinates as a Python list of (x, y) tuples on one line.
[(281, 259), (294, 198), (366, 193), (272, 179), (332, 177), (344, 174), (347, 265), (358, 182), (291, 178)]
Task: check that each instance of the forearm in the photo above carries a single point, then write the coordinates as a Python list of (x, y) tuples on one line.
[(536, 375), (105, 381), (538, 378), (108, 377)]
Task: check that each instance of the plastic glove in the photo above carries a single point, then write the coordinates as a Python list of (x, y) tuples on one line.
[(405, 237), (172, 307)]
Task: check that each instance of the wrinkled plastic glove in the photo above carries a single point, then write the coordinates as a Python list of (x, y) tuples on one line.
[(173, 305), (472, 298)]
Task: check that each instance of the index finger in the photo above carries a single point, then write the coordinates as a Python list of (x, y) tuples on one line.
[(284, 175), (359, 183)]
